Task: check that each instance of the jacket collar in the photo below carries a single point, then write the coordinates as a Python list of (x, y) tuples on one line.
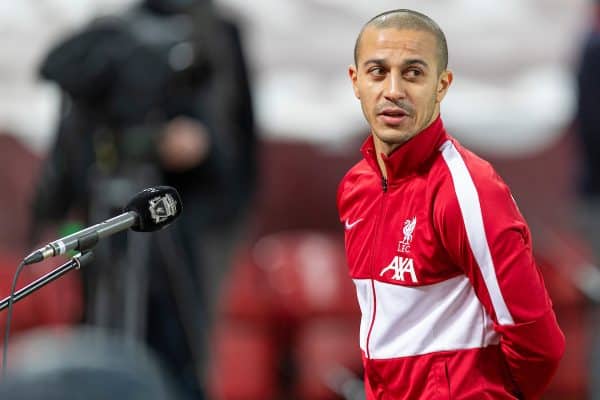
[(412, 155)]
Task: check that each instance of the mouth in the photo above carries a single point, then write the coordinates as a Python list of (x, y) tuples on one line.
[(392, 116)]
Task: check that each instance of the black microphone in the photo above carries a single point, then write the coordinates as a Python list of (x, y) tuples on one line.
[(149, 210)]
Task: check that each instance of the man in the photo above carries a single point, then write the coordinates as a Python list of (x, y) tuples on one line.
[(453, 305)]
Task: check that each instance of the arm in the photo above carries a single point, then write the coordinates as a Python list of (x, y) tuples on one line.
[(485, 235), (220, 101)]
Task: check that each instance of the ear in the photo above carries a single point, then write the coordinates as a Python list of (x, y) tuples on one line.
[(444, 82), (353, 74)]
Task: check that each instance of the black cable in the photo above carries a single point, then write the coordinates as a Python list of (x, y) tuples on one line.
[(9, 317)]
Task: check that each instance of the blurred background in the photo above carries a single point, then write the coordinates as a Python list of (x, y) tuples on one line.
[(246, 108)]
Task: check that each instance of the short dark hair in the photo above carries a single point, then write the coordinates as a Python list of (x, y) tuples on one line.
[(408, 19)]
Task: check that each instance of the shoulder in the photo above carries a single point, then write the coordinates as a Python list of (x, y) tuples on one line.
[(465, 169), (360, 174), (458, 160), (358, 171), (468, 182)]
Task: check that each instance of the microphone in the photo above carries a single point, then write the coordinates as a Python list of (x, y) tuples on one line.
[(149, 210)]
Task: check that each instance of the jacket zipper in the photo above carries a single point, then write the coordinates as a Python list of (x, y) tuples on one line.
[(384, 188)]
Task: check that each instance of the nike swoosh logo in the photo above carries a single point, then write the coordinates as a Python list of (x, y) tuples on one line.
[(351, 225)]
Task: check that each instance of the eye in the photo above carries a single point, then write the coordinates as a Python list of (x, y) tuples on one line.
[(376, 71), (413, 73)]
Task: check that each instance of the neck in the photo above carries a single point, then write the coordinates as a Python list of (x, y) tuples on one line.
[(383, 148), (388, 148)]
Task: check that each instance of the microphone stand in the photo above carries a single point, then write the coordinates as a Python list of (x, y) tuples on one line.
[(75, 262)]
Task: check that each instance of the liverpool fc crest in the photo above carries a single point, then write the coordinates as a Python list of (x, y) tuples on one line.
[(407, 230)]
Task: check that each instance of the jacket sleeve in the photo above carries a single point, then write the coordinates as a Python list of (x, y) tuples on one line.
[(486, 236)]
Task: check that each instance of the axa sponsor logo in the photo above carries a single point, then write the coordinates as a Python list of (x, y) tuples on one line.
[(402, 268), (407, 230)]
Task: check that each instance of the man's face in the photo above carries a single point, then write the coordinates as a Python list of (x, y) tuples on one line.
[(397, 80)]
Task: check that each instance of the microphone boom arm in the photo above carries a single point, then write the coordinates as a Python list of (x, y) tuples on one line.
[(75, 262)]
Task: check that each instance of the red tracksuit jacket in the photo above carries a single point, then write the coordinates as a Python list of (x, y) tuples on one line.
[(453, 305)]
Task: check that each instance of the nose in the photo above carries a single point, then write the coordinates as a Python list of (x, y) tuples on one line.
[(394, 89)]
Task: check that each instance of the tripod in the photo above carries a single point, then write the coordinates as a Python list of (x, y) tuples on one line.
[(119, 282)]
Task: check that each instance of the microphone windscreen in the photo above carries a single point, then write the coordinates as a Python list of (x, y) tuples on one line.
[(156, 207)]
